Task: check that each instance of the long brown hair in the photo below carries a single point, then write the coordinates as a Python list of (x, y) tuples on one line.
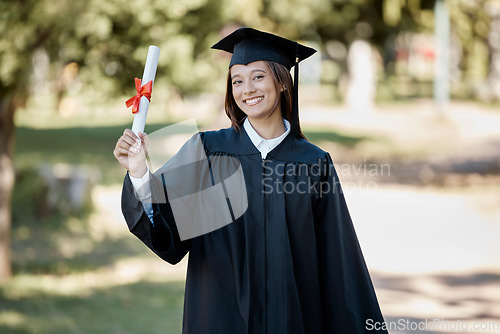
[(283, 78)]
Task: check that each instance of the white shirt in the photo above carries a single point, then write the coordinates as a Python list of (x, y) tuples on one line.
[(143, 191), (265, 145)]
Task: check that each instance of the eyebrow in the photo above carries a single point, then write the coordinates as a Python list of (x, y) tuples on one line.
[(252, 71)]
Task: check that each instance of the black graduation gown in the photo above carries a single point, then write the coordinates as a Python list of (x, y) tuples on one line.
[(290, 265)]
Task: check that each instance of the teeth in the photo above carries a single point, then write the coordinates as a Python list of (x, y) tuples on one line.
[(254, 100)]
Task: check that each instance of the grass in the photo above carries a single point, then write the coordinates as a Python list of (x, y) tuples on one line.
[(93, 147), (82, 273), (38, 305), (337, 137), (70, 278)]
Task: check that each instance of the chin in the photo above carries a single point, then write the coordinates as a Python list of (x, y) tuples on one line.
[(259, 114)]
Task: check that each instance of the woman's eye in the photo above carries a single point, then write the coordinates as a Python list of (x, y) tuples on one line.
[(236, 82), (257, 77)]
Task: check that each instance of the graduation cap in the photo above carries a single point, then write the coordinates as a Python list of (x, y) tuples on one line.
[(248, 45)]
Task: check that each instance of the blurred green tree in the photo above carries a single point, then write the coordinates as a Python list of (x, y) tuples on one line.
[(379, 22), (106, 41)]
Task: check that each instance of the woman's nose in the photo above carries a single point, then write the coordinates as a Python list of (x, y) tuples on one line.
[(249, 87)]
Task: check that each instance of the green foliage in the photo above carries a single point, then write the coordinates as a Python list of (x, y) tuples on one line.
[(34, 304), (72, 145), (39, 210), (108, 40), (30, 200), (327, 135)]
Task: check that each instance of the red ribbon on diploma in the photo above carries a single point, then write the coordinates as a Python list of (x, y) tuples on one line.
[(141, 91)]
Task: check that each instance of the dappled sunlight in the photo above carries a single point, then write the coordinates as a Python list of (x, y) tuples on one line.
[(437, 296), (428, 224), (409, 229), (12, 319), (433, 252), (127, 271), (50, 304), (410, 130), (107, 220)]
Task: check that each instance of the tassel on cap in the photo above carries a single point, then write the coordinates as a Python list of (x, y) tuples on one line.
[(295, 127)]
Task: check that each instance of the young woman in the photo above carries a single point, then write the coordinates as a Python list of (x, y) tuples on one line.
[(288, 260)]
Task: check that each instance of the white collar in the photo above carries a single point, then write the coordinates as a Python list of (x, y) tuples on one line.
[(265, 145)]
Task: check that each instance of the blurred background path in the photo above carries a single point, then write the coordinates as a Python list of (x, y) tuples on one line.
[(429, 229)]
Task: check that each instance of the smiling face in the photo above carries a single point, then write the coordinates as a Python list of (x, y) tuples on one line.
[(255, 90)]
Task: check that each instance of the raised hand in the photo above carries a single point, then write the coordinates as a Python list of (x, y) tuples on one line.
[(130, 151)]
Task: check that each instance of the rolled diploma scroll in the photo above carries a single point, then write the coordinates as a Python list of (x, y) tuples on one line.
[(147, 76)]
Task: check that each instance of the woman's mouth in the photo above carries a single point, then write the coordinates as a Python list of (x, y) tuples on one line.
[(253, 101)]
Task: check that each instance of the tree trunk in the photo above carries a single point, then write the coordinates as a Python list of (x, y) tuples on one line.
[(493, 82), (7, 108)]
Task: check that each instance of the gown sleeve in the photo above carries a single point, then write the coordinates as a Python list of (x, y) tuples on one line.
[(162, 236), (348, 297)]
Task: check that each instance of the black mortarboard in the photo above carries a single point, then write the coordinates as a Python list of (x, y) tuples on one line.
[(248, 45)]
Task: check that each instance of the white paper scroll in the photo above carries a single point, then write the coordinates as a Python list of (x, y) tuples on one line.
[(148, 75)]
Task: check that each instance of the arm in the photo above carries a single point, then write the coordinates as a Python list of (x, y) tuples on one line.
[(161, 236), (349, 299), (143, 192)]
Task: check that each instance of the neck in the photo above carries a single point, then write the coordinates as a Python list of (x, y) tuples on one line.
[(269, 128)]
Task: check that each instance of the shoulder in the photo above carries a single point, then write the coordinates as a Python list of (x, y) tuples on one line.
[(310, 150), (224, 140), (218, 135), (302, 151)]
